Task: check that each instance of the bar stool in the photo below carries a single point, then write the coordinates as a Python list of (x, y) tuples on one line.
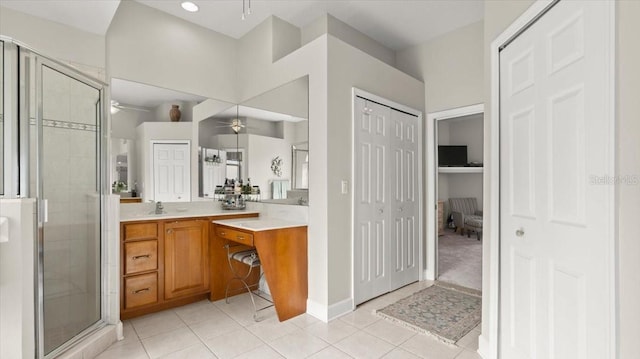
[(250, 258)]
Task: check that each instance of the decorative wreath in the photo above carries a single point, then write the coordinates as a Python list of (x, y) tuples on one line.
[(276, 166)]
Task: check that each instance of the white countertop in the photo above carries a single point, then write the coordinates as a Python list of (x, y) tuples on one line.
[(259, 224), (179, 212)]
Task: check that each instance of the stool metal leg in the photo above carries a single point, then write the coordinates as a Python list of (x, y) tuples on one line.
[(251, 262)]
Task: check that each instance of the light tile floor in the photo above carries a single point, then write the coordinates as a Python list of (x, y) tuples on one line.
[(219, 330)]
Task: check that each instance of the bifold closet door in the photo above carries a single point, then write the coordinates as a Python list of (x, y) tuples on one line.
[(386, 200), (404, 201)]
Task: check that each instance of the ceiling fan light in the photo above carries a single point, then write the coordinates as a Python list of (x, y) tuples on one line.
[(189, 6)]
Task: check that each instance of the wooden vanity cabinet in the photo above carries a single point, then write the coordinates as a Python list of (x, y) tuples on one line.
[(165, 263), (186, 258), (139, 265)]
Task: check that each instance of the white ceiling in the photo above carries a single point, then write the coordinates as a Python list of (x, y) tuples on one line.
[(396, 24)]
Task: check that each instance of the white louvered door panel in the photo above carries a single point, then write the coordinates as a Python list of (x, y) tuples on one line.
[(555, 280)]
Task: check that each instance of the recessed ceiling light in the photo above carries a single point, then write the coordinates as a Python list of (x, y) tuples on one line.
[(189, 6)]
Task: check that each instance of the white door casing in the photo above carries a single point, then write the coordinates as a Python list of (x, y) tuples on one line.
[(386, 199), (171, 172), (555, 222)]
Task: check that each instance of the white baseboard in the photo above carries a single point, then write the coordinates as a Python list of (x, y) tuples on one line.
[(429, 275), (327, 313), (484, 349), (317, 310), (341, 308)]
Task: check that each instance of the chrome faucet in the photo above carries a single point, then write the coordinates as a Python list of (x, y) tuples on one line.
[(159, 207)]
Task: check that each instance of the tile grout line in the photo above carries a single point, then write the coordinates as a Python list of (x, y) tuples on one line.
[(139, 339), (194, 333)]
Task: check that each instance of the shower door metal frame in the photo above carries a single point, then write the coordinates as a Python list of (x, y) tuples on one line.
[(23, 58)]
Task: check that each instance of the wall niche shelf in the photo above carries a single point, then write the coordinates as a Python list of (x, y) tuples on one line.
[(460, 169)]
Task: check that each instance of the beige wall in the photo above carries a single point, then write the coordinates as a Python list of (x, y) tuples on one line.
[(328, 24), (170, 53), (450, 66), (628, 164), (62, 42), (350, 67)]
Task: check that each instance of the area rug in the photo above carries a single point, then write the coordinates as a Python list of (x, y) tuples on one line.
[(445, 312)]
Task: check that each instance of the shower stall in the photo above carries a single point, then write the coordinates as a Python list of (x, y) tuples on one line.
[(52, 149)]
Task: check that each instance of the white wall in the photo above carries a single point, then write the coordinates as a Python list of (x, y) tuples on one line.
[(17, 283)]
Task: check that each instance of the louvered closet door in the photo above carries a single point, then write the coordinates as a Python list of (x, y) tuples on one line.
[(555, 221), (386, 243)]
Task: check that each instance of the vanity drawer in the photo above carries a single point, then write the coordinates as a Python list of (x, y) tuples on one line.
[(140, 290), (140, 256), (140, 231), (236, 236)]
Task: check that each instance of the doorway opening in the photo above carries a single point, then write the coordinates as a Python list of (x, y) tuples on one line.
[(455, 239)]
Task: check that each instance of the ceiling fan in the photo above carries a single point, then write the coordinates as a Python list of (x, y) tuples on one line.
[(117, 107), (235, 124)]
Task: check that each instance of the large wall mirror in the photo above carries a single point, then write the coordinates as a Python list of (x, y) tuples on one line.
[(1, 118), (262, 142), (255, 142), (140, 113)]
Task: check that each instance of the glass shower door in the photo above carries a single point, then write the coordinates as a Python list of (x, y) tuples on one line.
[(68, 181)]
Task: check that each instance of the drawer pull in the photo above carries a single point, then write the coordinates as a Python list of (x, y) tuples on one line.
[(222, 233), (141, 290), (169, 231), (146, 256), (240, 238)]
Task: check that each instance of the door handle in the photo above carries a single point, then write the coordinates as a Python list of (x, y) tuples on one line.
[(520, 232), (141, 256), (380, 210)]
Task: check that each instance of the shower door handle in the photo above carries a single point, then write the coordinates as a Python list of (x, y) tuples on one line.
[(45, 211)]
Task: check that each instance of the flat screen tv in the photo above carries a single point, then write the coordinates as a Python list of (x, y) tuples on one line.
[(452, 156)]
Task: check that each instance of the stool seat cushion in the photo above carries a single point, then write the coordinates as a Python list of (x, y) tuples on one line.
[(248, 257)]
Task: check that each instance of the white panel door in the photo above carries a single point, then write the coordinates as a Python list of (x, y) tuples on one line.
[(387, 232), (555, 279), (404, 252), (171, 172), (371, 186)]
